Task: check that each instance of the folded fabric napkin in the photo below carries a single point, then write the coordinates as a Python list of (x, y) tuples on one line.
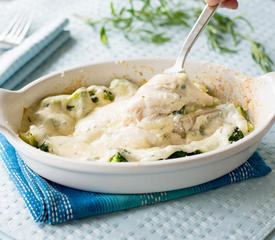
[(53, 203), (16, 64)]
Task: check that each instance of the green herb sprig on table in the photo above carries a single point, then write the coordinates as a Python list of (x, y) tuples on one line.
[(222, 27), (147, 20), (142, 21)]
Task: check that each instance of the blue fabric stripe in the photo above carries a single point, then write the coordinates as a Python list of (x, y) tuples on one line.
[(53, 203)]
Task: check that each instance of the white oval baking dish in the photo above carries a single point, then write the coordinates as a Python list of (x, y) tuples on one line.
[(255, 94)]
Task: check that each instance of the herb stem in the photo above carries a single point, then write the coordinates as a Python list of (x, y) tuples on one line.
[(149, 20)]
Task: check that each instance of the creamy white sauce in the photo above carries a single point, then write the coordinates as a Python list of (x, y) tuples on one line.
[(142, 124)]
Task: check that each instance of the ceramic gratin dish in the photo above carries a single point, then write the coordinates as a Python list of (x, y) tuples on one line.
[(257, 95)]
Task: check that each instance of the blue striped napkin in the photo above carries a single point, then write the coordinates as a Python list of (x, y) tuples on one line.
[(52, 203), (16, 64)]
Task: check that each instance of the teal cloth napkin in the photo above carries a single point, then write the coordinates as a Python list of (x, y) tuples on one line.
[(16, 64), (52, 203)]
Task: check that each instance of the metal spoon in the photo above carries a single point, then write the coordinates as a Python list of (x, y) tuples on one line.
[(202, 21)]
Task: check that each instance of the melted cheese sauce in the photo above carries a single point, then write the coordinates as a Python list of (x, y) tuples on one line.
[(167, 114)]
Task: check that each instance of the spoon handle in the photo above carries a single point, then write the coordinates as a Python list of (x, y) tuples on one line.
[(198, 27)]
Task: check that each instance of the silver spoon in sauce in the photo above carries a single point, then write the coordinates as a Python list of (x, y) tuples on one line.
[(198, 27)]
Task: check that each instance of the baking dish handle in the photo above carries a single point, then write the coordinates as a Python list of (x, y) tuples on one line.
[(4, 101), (271, 76), (7, 132)]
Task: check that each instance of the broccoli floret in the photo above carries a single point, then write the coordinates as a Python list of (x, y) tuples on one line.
[(54, 101), (236, 135), (108, 95), (44, 147), (100, 94), (28, 138), (94, 99), (179, 154), (92, 93), (194, 153), (117, 158), (242, 112), (79, 103), (250, 126)]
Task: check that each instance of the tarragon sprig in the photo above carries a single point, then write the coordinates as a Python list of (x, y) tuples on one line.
[(222, 27), (149, 19)]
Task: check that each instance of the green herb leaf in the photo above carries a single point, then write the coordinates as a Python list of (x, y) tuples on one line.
[(260, 56), (112, 9), (103, 36), (245, 20), (154, 38)]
